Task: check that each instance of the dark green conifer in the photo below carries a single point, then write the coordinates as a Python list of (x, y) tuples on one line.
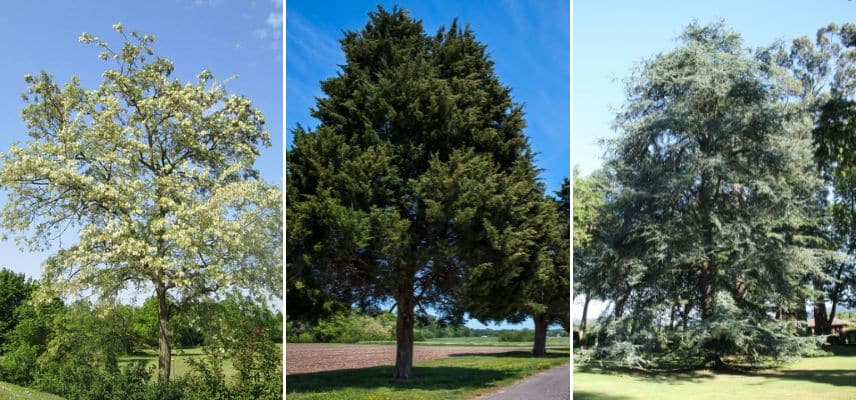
[(416, 187)]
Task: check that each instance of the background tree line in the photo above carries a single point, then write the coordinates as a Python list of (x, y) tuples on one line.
[(74, 349), (353, 327)]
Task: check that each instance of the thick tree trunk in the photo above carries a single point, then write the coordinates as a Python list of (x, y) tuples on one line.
[(541, 323), (832, 312), (164, 335), (585, 316), (821, 322), (835, 295), (404, 333)]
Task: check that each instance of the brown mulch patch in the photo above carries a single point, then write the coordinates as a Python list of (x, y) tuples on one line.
[(315, 357)]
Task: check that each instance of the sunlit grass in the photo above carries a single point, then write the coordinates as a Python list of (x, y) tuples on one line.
[(818, 378), (457, 377), (9, 391)]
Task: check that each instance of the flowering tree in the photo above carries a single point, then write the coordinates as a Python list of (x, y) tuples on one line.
[(155, 176)]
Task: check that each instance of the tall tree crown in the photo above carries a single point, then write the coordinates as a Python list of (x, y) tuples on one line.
[(156, 176), (418, 168)]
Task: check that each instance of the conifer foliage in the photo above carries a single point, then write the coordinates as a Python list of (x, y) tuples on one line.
[(719, 208), (418, 185)]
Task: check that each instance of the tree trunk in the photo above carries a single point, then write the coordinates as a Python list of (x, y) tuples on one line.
[(164, 335), (620, 301), (585, 316), (541, 323), (707, 291), (821, 323), (404, 333), (672, 317), (832, 311), (835, 295)]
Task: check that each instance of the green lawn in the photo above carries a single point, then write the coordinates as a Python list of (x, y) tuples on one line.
[(460, 377), (9, 391), (179, 360), (820, 378), (552, 342), (180, 365)]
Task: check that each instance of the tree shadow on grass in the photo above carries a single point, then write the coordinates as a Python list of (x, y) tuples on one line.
[(584, 395), (425, 378), (835, 377), (512, 354), (842, 350), (670, 377)]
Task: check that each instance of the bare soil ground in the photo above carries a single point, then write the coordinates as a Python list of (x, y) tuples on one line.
[(315, 357)]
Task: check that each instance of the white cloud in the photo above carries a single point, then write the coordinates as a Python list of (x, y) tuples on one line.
[(271, 31), (274, 20)]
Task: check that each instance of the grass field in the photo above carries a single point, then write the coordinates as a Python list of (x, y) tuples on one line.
[(460, 377), (819, 378), (552, 342), (9, 391), (179, 360)]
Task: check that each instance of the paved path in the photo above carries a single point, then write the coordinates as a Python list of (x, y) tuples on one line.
[(554, 384)]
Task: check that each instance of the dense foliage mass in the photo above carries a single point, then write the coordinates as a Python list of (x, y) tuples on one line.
[(78, 351), (14, 289), (417, 187), (709, 230)]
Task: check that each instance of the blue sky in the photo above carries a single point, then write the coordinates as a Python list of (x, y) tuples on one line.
[(242, 38), (610, 38), (528, 40)]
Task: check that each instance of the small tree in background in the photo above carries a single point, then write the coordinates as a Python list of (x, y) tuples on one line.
[(157, 178), (547, 293), (834, 137)]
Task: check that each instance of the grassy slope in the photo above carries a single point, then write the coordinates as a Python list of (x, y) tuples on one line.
[(554, 342), (446, 378), (821, 378), (9, 391)]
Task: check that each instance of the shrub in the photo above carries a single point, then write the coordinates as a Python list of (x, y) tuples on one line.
[(17, 365), (352, 328), (523, 335), (727, 339)]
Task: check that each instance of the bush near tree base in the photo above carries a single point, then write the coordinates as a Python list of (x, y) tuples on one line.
[(728, 341)]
